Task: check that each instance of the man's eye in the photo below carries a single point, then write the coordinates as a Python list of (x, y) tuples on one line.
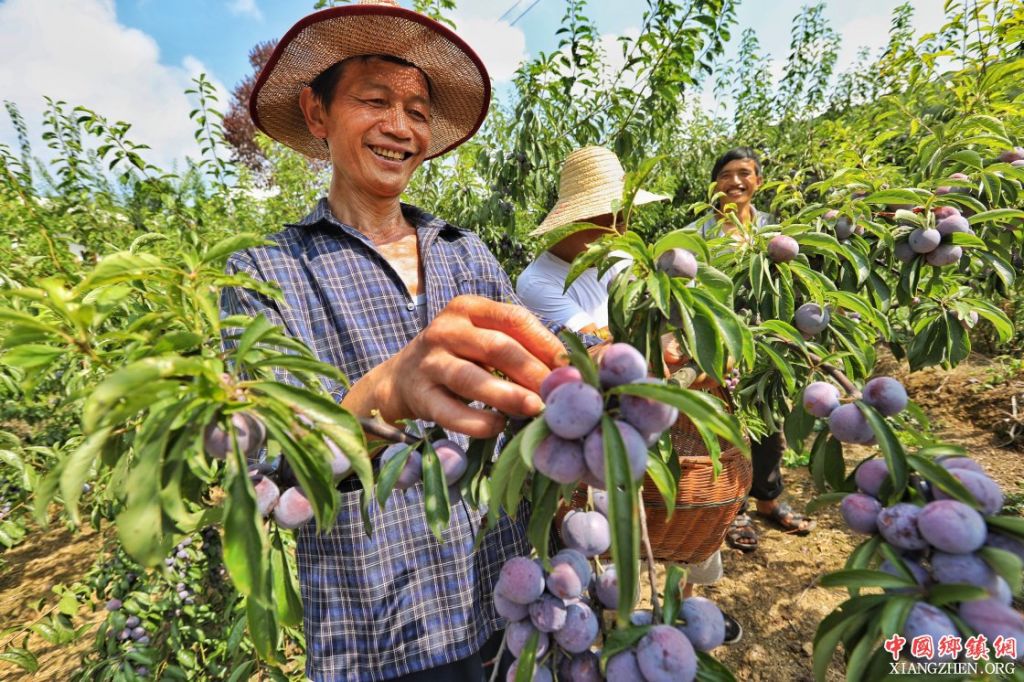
[(418, 115), (377, 102)]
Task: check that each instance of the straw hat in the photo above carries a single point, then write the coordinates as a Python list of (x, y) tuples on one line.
[(592, 180), (460, 86)]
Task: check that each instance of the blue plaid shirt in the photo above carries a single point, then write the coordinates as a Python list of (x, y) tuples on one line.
[(376, 608)]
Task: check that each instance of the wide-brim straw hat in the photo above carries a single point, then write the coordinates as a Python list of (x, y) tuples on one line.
[(460, 86), (592, 182)]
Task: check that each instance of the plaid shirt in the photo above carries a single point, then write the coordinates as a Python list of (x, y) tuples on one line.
[(376, 608)]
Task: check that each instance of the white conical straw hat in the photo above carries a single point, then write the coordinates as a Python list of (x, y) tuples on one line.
[(460, 86), (592, 181)]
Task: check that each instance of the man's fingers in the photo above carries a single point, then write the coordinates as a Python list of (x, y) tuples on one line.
[(518, 323), (450, 413), (471, 382)]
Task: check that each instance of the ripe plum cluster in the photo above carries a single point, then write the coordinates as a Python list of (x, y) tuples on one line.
[(844, 226), (277, 494), (562, 607), (940, 543), (574, 450), (934, 244), (846, 422)]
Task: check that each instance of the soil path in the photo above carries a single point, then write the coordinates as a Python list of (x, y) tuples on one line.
[(773, 592)]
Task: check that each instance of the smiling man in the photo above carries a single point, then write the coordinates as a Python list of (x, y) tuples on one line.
[(414, 311), (737, 176)]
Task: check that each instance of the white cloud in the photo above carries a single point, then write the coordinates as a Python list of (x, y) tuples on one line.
[(501, 46), (246, 7), (76, 51)]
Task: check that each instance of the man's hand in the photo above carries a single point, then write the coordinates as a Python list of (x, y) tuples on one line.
[(450, 362)]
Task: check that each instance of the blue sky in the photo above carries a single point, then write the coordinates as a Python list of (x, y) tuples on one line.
[(132, 59)]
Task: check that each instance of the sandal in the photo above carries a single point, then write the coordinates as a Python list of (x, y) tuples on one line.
[(741, 534), (789, 521)]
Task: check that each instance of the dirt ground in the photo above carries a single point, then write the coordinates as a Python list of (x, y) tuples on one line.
[(773, 592)]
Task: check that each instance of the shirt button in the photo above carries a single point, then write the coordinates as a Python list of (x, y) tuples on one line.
[(410, 306)]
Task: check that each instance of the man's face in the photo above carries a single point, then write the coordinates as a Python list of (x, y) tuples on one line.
[(738, 180), (378, 126)]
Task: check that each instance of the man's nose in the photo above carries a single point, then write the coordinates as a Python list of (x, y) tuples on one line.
[(396, 122)]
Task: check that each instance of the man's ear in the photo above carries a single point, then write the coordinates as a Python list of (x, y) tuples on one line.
[(314, 113)]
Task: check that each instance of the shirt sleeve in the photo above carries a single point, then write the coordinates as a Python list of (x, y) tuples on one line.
[(546, 300)]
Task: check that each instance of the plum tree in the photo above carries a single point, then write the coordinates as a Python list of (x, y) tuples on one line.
[(548, 613), (636, 451), (579, 630), (677, 263), (621, 364), (705, 624), (587, 532), (886, 395), (412, 472), (623, 667), (664, 654), (453, 459), (557, 377), (870, 475), (861, 512), (943, 255), (898, 525), (520, 581), (848, 424), (820, 398), (986, 491), (517, 633), (925, 619), (570, 574), (992, 618), (951, 526), (783, 248), (573, 410), (811, 318), (924, 239), (293, 509), (607, 588), (647, 416), (559, 459), (249, 431)]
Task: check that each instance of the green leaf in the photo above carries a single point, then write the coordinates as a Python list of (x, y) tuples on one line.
[(246, 547), (545, 497), (673, 595), (942, 479), (123, 267), (999, 215), (1006, 564), (23, 658), (666, 483), (798, 425), (897, 196), (263, 629), (895, 457), (435, 492), (527, 658), (75, 470), (828, 636), (581, 359), (824, 500), (710, 669), (32, 356), (229, 245), (133, 380), (624, 516), (860, 577), (286, 589), (389, 473), (954, 593)]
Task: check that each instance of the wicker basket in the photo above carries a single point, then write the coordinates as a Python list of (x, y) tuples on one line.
[(705, 504)]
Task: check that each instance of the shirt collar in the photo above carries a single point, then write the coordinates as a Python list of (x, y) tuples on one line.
[(427, 226)]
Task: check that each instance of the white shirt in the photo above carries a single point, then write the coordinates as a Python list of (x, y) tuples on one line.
[(540, 287)]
